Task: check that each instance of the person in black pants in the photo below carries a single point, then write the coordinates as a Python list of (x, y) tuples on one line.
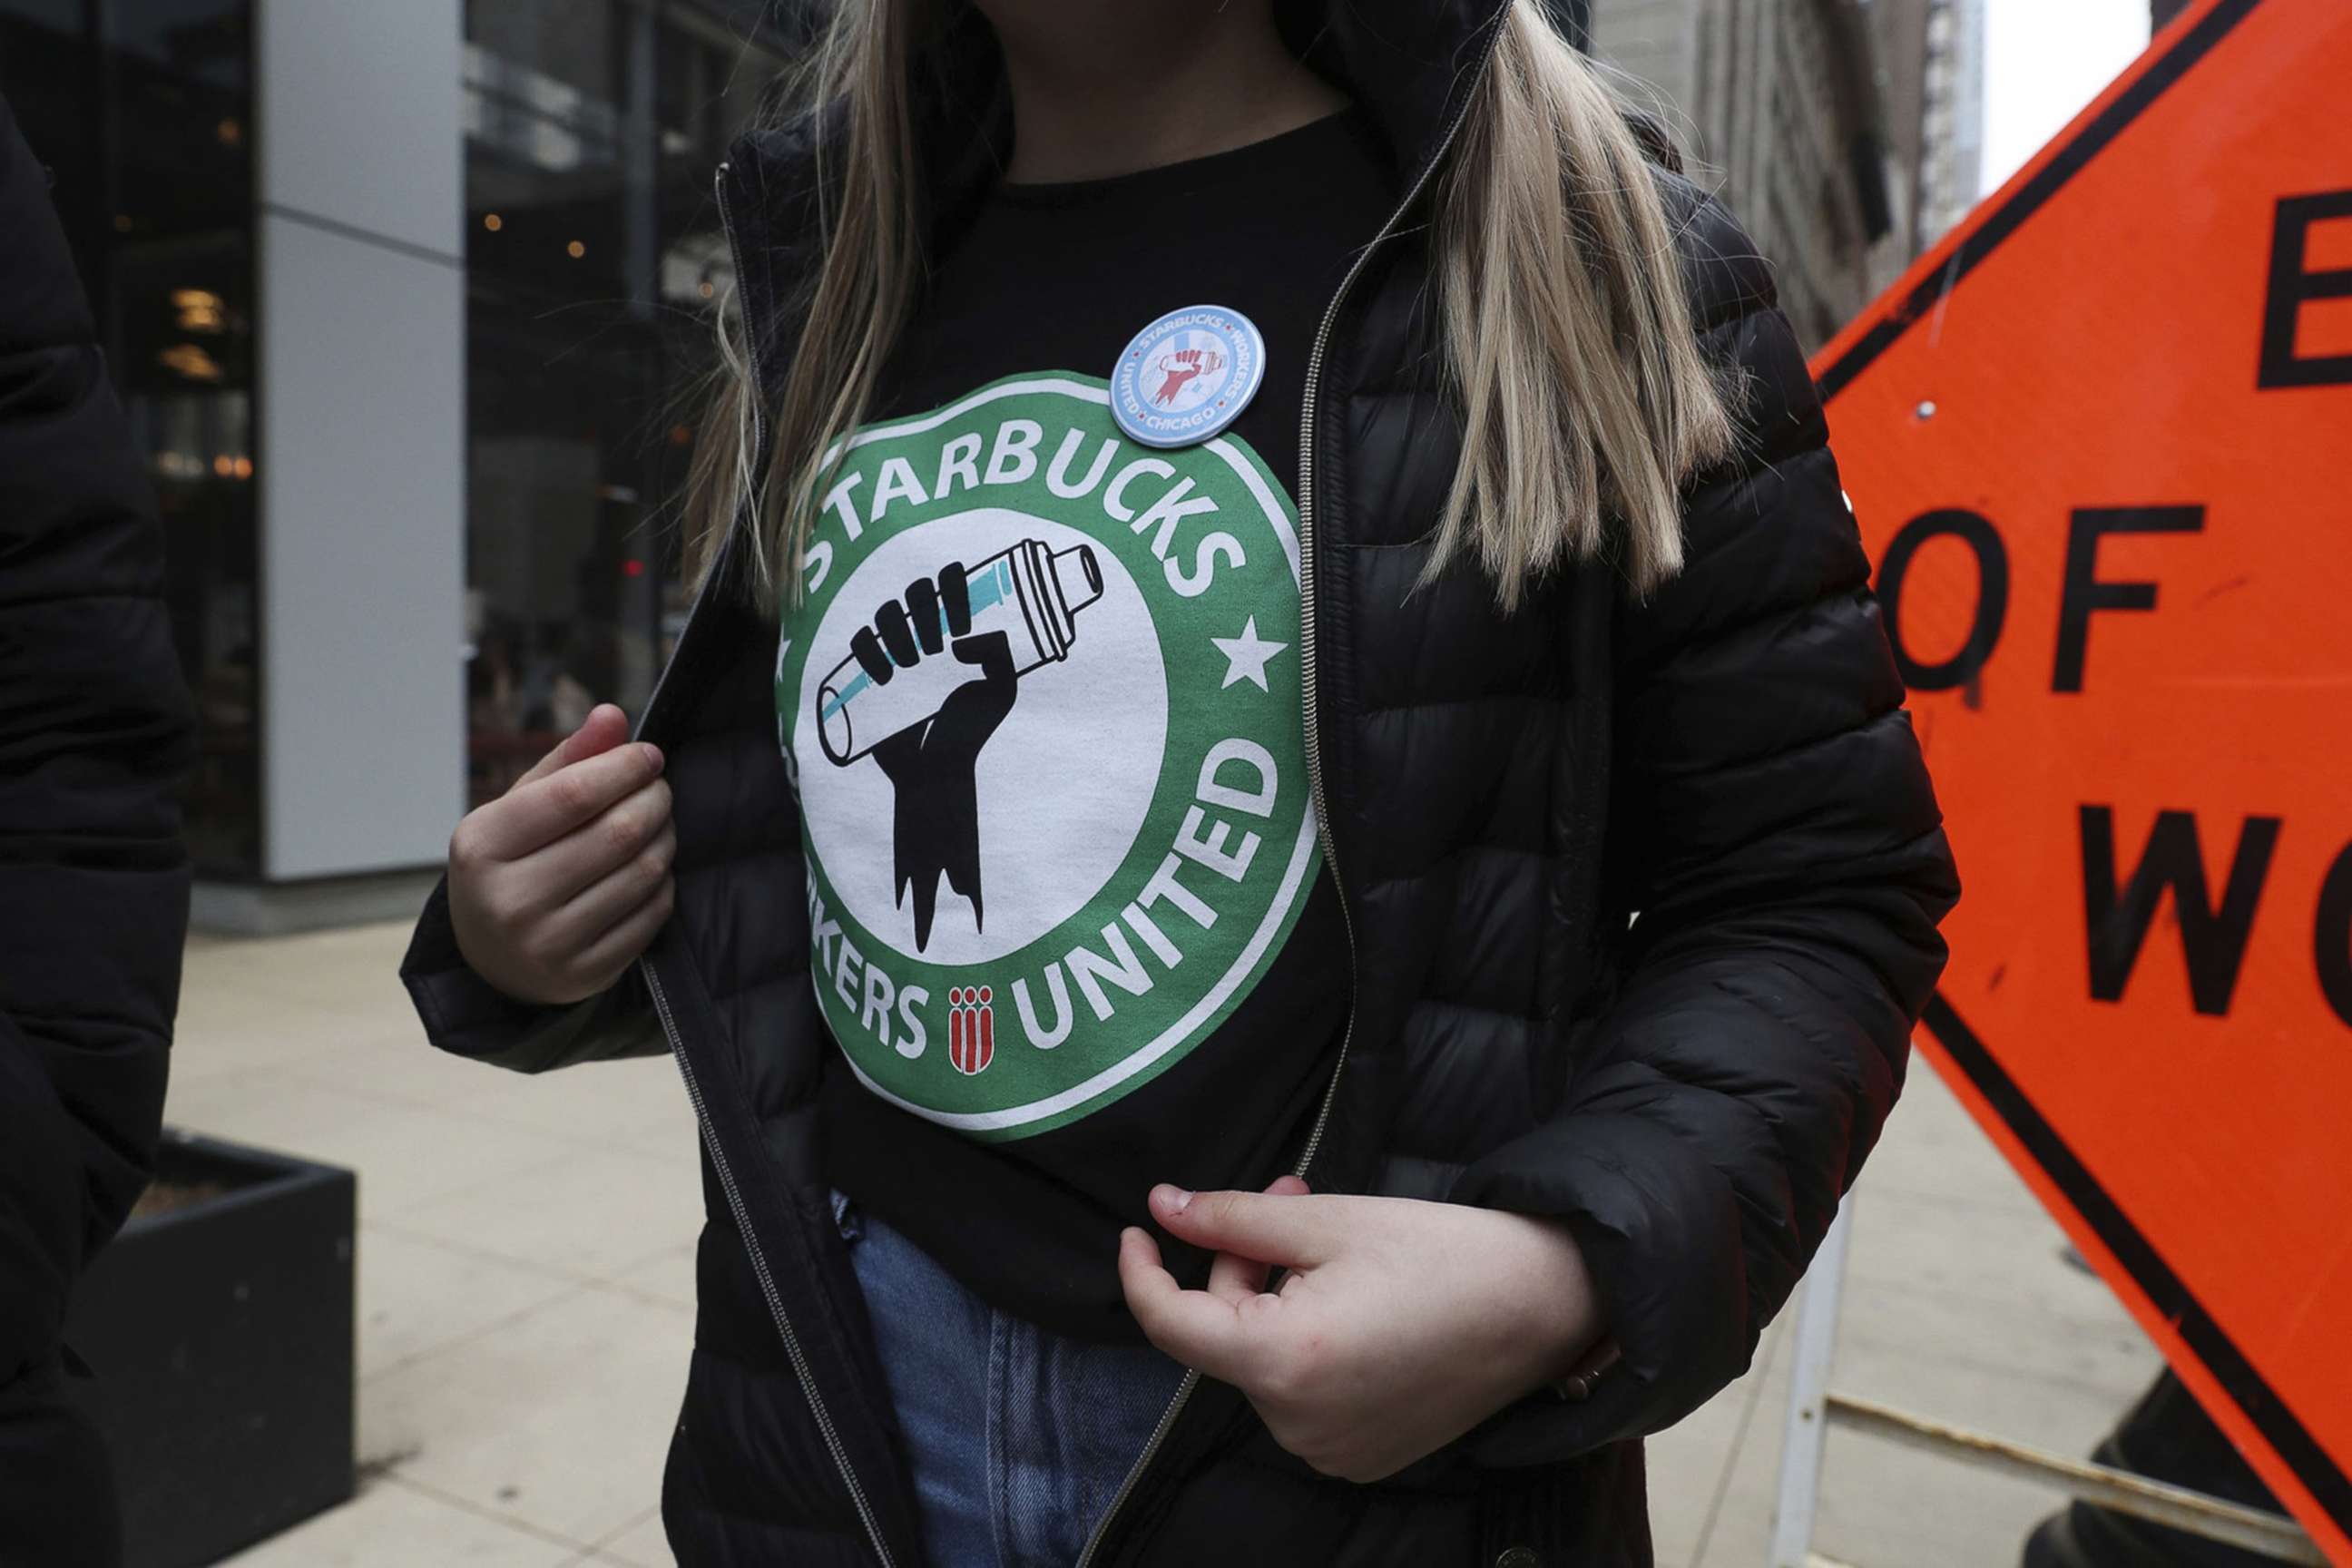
[(95, 732)]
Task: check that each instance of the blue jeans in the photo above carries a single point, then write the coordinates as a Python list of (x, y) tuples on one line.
[(1017, 1437)]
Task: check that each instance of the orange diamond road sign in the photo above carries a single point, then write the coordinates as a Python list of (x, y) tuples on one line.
[(2100, 441)]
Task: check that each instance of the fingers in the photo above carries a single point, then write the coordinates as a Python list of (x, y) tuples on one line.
[(866, 649), (1266, 1227), (955, 594), (1192, 1326), (533, 815), (618, 948), (905, 630), (923, 613), (992, 652), (604, 728), (625, 833), (1233, 1277), (897, 636), (608, 900)]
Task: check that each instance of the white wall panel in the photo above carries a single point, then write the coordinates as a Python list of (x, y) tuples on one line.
[(362, 452), (359, 105)]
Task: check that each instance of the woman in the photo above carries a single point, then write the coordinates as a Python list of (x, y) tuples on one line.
[(1351, 533)]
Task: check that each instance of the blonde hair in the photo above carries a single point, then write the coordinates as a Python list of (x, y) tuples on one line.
[(1570, 345)]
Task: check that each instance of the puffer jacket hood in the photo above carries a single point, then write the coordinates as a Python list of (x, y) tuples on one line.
[(1689, 1091)]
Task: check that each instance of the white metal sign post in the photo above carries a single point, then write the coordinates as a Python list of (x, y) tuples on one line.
[(1813, 1409)]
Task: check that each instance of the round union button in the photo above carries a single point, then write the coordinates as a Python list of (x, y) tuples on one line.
[(1187, 376)]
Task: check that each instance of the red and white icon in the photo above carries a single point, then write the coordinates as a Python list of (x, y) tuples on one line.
[(971, 1027), (1182, 366)]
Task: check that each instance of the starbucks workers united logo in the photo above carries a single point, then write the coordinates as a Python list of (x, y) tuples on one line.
[(1041, 700)]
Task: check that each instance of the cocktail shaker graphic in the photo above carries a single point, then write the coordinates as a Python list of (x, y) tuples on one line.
[(1029, 591)]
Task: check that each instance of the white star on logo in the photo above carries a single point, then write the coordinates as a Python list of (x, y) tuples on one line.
[(1245, 655)]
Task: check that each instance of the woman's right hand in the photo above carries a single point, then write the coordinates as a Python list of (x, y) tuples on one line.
[(559, 884)]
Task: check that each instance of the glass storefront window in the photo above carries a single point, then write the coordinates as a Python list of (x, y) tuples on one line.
[(593, 261), (143, 114), (593, 258)]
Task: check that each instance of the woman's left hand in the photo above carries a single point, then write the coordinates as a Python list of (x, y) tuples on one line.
[(1400, 1325)]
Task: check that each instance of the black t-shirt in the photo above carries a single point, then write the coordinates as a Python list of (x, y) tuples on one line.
[(1041, 701)]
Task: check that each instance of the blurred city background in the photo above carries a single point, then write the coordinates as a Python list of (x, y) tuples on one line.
[(406, 302)]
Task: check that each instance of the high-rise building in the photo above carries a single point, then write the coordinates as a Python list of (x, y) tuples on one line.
[(1898, 34), (1831, 127), (1778, 100), (1950, 159)]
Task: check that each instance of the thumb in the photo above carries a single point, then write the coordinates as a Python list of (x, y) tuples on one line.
[(1288, 1227), (1233, 1277), (991, 651), (604, 728)]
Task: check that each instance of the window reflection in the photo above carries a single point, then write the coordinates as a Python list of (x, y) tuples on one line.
[(594, 256), (142, 113)]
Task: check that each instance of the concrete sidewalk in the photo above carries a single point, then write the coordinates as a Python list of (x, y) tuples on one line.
[(525, 1296)]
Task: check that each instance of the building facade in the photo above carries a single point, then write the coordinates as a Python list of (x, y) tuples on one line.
[(1778, 101), (1828, 125), (400, 298), (1950, 153)]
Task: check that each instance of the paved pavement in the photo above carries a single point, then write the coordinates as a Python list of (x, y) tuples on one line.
[(526, 1293)]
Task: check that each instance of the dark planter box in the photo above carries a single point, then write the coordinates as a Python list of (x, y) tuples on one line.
[(220, 1331)]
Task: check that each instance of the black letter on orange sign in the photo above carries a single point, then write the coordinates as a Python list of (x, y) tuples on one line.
[(2084, 593), (2331, 940), (2214, 940), (1992, 595), (2291, 288)]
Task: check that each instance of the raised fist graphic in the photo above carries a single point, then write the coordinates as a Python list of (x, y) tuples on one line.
[(935, 822), (1182, 366)]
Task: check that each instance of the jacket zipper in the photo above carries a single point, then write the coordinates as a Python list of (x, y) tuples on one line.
[(1314, 739), (792, 1350)]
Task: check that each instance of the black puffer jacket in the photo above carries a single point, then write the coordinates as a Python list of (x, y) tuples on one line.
[(1690, 1091), (94, 732)]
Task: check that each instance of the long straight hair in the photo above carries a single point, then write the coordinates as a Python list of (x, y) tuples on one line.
[(1584, 399)]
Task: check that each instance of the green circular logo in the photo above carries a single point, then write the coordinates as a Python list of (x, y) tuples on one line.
[(1041, 701)]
